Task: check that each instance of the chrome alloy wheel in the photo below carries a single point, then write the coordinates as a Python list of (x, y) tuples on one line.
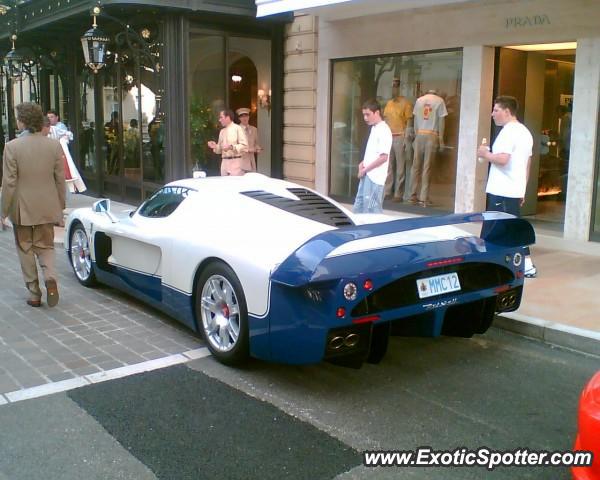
[(80, 255), (220, 312)]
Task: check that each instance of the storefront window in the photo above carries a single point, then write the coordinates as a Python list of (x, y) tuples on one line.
[(249, 62), (228, 72), (542, 80), (113, 132), (207, 97), (152, 129), (398, 82), (87, 152)]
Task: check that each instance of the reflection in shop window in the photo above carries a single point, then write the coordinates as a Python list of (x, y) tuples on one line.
[(87, 151), (398, 82)]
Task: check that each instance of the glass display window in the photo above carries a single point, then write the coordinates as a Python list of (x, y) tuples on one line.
[(419, 96)]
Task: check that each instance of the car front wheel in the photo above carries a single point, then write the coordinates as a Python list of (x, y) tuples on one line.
[(222, 313), (79, 254)]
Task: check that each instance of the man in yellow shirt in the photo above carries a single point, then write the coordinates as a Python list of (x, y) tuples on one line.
[(398, 114)]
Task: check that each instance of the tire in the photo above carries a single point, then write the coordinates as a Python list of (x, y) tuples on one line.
[(222, 314), (80, 257)]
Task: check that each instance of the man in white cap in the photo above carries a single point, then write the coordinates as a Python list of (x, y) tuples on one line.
[(249, 158)]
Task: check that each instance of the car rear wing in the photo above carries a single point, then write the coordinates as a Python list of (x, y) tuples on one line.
[(499, 231)]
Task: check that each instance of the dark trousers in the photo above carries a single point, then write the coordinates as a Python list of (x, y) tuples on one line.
[(496, 203)]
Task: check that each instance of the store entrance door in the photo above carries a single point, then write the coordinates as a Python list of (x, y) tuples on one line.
[(541, 78)]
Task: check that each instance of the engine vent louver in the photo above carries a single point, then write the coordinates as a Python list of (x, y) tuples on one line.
[(310, 205)]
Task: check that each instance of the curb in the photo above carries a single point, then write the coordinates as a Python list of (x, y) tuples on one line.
[(552, 333)]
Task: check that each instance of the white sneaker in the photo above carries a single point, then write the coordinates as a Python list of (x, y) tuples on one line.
[(530, 269)]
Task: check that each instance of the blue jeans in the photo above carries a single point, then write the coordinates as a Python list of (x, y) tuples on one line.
[(369, 197)]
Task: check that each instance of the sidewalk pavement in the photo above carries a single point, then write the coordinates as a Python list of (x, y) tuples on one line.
[(559, 306)]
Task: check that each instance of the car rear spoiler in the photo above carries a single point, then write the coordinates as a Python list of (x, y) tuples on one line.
[(499, 229)]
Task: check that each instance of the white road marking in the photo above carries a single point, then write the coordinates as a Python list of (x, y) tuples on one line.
[(72, 383)]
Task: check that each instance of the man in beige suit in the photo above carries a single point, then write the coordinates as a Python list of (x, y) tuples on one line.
[(33, 197), (249, 158), (232, 145)]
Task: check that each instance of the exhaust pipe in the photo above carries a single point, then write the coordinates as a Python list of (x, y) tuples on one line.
[(352, 340), (336, 343), (507, 301)]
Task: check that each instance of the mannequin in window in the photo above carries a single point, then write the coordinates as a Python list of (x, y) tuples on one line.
[(429, 113), (398, 114)]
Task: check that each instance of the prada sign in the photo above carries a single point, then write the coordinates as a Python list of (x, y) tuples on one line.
[(527, 21)]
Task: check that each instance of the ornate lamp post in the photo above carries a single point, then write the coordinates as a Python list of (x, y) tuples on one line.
[(14, 61), (94, 43)]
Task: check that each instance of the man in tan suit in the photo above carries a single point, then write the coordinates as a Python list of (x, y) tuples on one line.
[(232, 145), (33, 197), (249, 158)]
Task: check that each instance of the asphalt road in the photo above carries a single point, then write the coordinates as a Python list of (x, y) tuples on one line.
[(206, 421)]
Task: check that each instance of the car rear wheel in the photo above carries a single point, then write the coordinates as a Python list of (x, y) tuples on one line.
[(79, 254), (222, 313)]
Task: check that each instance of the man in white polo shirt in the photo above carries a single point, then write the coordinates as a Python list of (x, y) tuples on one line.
[(509, 160), (372, 171)]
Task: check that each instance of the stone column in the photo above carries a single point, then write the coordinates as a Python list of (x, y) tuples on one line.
[(300, 100), (475, 124), (584, 134)]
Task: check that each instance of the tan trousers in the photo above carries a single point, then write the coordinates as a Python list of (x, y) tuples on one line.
[(425, 146), (248, 163), (35, 241), (231, 166), (399, 167)]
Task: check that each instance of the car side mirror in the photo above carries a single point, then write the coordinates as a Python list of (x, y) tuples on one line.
[(101, 206)]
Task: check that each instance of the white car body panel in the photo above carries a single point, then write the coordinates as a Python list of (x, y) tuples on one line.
[(173, 247), (412, 237)]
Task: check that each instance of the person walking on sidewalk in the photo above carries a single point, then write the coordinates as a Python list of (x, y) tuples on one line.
[(33, 197), (510, 159), (372, 171)]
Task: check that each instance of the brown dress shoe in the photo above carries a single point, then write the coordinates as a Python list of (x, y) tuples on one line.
[(34, 303), (52, 293)]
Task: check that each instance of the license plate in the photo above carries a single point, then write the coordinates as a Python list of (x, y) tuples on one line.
[(432, 286)]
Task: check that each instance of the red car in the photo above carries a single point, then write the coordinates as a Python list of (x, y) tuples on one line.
[(588, 437)]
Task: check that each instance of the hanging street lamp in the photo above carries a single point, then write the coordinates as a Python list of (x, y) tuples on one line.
[(94, 43), (14, 61)]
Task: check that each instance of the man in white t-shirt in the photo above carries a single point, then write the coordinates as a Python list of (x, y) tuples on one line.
[(509, 160), (372, 171)]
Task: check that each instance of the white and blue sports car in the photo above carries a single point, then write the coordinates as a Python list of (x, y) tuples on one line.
[(270, 269)]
